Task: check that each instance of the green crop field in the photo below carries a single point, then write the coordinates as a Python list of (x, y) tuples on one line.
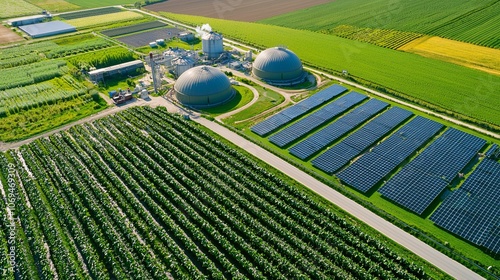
[(100, 3), (475, 21), (120, 197), (54, 6), (391, 39), (17, 8), (39, 92), (103, 3), (101, 20), (454, 88)]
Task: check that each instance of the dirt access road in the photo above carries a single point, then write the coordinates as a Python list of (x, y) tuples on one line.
[(248, 10)]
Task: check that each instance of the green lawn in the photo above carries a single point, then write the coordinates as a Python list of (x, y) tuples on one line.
[(452, 87), (267, 99), (242, 96), (474, 21)]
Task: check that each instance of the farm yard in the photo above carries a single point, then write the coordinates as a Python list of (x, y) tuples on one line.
[(100, 204)]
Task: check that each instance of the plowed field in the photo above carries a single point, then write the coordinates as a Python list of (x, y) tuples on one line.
[(8, 36), (250, 10)]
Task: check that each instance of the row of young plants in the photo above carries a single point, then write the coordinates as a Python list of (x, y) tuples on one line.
[(41, 94), (392, 39), (120, 198), (102, 58), (82, 46), (89, 13), (31, 53), (31, 260), (32, 73), (133, 28), (5, 221), (26, 49)]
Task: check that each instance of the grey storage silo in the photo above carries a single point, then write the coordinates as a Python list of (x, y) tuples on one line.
[(182, 64), (212, 44), (203, 86), (278, 65)]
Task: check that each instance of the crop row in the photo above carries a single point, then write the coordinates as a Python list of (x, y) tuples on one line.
[(391, 39), (79, 47), (33, 73), (102, 58), (133, 28), (106, 19), (119, 198), (37, 95), (89, 13)]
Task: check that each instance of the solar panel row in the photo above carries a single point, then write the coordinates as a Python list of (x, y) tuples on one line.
[(473, 211), (327, 135), (491, 151), (309, 123), (424, 178), (372, 167), (336, 157), (274, 122)]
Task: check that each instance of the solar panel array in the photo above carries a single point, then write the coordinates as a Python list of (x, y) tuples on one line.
[(291, 113), (323, 115), (424, 178), (373, 166), (473, 211), (491, 151), (327, 135), (339, 155)]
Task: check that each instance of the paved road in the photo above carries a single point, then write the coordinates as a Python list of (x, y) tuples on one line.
[(407, 240)]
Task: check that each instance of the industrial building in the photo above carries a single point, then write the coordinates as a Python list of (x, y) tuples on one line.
[(181, 64), (186, 36), (45, 29), (212, 45), (203, 86), (26, 20), (279, 66), (119, 69)]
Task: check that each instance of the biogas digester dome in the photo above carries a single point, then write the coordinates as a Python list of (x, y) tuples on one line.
[(203, 86), (278, 65)]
